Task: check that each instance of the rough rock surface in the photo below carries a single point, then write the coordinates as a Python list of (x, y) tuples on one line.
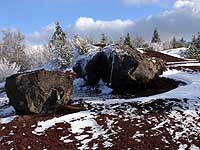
[(120, 66), (39, 91)]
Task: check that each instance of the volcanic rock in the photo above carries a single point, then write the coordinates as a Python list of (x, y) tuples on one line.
[(121, 67), (39, 91)]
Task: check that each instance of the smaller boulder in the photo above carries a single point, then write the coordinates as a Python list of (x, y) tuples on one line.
[(39, 91)]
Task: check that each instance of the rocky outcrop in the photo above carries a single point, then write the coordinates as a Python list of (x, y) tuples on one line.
[(121, 67), (39, 91)]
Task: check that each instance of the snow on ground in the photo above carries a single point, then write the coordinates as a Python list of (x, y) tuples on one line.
[(180, 123), (186, 120), (7, 119), (6, 112), (79, 122), (189, 91), (78, 125), (81, 89), (175, 52)]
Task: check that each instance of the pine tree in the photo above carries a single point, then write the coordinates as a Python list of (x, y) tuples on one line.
[(193, 39), (197, 41), (182, 42), (61, 46), (156, 37), (174, 42), (138, 42), (121, 41), (127, 40), (192, 52), (80, 44), (194, 49)]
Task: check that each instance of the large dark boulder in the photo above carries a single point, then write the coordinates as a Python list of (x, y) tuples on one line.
[(121, 67), (39, 91)]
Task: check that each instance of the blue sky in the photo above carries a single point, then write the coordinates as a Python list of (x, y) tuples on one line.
[(31, 15), (180, 18)]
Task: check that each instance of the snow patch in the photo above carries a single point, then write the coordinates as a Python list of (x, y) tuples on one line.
[(189, 91), (7, 119), (175, 52)]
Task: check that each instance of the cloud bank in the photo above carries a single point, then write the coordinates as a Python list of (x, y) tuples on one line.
[(182, 20)]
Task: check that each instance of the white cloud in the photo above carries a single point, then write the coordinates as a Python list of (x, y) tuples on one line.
[(89, 26), (42, 36), (188, 6), (183, 19), (85, 23)]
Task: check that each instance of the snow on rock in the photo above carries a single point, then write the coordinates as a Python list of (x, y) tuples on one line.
[(105, 90), (84, 59), (53, 65), (3, 99), (119, 66), (186, 64), (7, 111), (2, 85), (141, 50), (178, 52)]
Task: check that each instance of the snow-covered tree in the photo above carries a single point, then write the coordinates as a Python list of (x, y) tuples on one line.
[(174, 42), (194, 48), (12, 48), (183, 42), (7, 69), (192, 52), (128, 40), (61, 46), (80, 44), (156, 37), (197, 41), (167, 45), (138, 42), (38, 55), (178, 43), (156, 46), (120, 41), (193, 39), (104, 38)]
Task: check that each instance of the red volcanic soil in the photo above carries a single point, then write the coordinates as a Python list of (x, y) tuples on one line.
[(159, 124)]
